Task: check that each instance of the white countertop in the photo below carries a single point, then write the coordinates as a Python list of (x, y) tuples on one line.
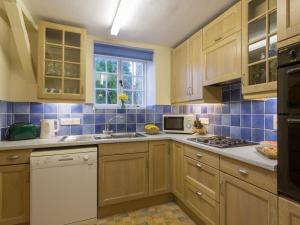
[(246, 154)]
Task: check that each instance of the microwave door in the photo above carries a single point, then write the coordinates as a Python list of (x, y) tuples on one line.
[(174, 124)]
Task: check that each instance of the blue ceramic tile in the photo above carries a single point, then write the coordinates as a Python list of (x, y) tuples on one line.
[(235, 95), (269, 122), (158, 118), (3, 120), (258, 107), (36, 118), (150, 118), (9, 119), (88, 129), (167, 109), (121, 128), (226, 87), (50, 116), (110, 111), (36, 108), (246, 107), (246, 134), (121, 118), (77, 115), (140, 127), (210, 129), (61, 116), (100, 111), (76, 108), (21, 107), (88, 119), (257, 135), (245, 120), (50, 108), (218, 119), (226, 120), (218, 108), (235, 108), (64, 130), (270, 135), (217, 130), (131, 118), (110, 118), (175, 109), (235, 120), (271, 106), (131, 127), (88, 108), (64, 108), (235, 132), (226, 131), (210, 108), (159, 109), (21, 118), (2, 133), (226, 96), (225, 108), (76, 130), (121, 110), (141, 111), (211, 118), (9, 106), (203, 109), (258, 121), (159, 125), (99, 118), (3, 107), (141, 118), (99, 128), (131, 111)]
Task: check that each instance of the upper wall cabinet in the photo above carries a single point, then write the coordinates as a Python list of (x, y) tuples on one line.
[(187, 73), (259, 48), (289, 20), (61, 62), (222, 47)]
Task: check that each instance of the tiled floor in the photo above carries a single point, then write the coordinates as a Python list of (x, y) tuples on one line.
[(166, 214)]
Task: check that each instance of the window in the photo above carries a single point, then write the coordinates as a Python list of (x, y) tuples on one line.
[(115, 75)]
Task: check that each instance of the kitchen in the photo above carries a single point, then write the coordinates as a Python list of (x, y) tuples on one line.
[(149, 112)]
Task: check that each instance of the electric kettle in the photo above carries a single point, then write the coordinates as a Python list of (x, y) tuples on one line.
[(48, 129)]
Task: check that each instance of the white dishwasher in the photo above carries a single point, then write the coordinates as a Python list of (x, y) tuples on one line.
[(63, 187)]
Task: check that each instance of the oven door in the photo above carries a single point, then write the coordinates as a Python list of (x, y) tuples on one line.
[(289, 156), (289, 90), (174, 124)]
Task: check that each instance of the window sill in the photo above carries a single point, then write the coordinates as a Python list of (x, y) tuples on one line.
[(97, 106)]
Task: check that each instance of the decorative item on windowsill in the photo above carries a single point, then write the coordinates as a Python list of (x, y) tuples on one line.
[(123, 97), (151, 129), (199, 127)]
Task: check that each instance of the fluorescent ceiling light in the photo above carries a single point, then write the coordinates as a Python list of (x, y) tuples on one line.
[(124, 11)]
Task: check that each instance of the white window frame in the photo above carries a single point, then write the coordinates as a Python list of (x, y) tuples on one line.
[(120, 77)]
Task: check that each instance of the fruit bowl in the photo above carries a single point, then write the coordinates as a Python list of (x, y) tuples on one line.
[(151, 129)]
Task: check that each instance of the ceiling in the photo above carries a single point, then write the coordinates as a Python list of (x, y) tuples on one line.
[(162, 22)]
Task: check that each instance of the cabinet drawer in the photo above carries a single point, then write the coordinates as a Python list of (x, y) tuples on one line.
[(123, 148), (259, 177), (202, 176), (202, 156), (11, 157), (204, 207)]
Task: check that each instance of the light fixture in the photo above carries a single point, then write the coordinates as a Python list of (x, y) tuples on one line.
[(124, 12)]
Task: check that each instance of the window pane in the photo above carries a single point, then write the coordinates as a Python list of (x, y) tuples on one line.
[(100, 97), (127, 83), (129, 93), (112, 66), (127, 67), (257, 30), (273, 70), (138, 83), (273, 46), (256, 8), (273, 22), (100, 65), (257, 51), (139, 69), (112, 81), (138, 98), (112, 97), (257, 74), (100, 81)]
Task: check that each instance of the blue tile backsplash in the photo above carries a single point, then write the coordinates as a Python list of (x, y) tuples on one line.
[(234, 117)]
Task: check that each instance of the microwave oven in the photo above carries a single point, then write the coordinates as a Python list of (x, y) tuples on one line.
[(178, 124)]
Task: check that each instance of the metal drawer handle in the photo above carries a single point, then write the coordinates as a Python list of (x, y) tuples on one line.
[(293, 120), (199, 165), (218, 39), (66, 159), (199, 193), (13, 157), (199, 155), (293, 71), (245, 172)]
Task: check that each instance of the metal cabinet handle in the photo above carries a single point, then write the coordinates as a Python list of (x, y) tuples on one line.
[(293, 71), (244, 172), (199, 193), (13, 157), (293, 120), (218, 39), (199, 165), (65, 159), (199, 155)]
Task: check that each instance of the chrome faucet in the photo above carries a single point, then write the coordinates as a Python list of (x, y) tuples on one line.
[(107, 130)]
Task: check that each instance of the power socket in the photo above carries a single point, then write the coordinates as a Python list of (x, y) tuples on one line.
[(69, 121)]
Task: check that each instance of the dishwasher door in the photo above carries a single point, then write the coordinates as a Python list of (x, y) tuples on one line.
[(64, 187)]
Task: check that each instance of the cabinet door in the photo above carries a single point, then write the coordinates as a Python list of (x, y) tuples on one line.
[(288, 19), (177, 170), (289, 212), (159, 167), (222, 27), (223, 60), (123, 178), (14, 194), (180, 76), (243, 203), (195, 88)]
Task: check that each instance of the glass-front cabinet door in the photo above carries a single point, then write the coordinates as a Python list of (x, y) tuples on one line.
[(259, 59), (61, 65)]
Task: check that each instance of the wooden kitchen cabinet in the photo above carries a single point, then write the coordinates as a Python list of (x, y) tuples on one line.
[(177, 170), (123, 178), (259, 59), (289, 212), (288, 20), (243, 203), (14, 194), (61, 62), (159, 167)]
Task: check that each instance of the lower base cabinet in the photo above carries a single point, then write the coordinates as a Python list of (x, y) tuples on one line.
[(289, 212), (177, 170), (245, 204), (14, 194)]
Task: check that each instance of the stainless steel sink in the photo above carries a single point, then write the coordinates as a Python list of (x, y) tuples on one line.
[(77, 138), (119, 135)]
